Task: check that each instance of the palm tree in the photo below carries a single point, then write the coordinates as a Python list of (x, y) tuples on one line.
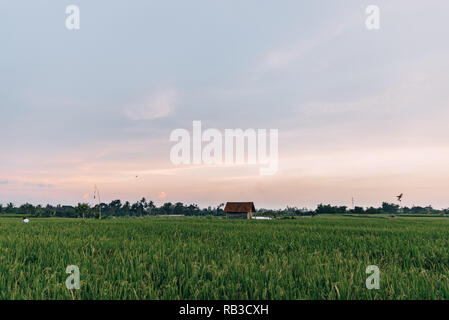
[(9, 207)]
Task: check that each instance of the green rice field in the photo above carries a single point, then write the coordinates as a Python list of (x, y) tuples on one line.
[(324, 257)]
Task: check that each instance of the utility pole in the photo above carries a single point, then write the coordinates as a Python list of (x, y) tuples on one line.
[(97, 194)]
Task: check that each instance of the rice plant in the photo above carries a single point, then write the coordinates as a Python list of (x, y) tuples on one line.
[(200, 258)]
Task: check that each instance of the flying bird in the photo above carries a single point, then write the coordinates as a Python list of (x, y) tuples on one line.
[(400, 197)]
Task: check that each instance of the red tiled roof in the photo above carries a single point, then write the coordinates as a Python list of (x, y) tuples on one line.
[(239, 207)]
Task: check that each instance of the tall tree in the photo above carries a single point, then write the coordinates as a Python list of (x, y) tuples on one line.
[(82, 209)]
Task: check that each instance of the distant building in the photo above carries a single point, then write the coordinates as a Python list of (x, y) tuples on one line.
[(239, 210)]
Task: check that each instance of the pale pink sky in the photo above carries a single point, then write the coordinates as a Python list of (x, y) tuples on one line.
[(360, 113)]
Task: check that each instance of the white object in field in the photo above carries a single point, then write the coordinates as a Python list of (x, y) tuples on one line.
[(262, 218), (26, 220)]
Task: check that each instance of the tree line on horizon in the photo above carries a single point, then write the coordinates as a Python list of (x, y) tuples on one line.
[(147, 208)]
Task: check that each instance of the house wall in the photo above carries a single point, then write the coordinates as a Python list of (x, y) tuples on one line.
[(237, 215)]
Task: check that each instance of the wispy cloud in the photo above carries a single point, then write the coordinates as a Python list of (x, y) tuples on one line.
[(38, 185), (4, 181), (158, 105), (291, 53)]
